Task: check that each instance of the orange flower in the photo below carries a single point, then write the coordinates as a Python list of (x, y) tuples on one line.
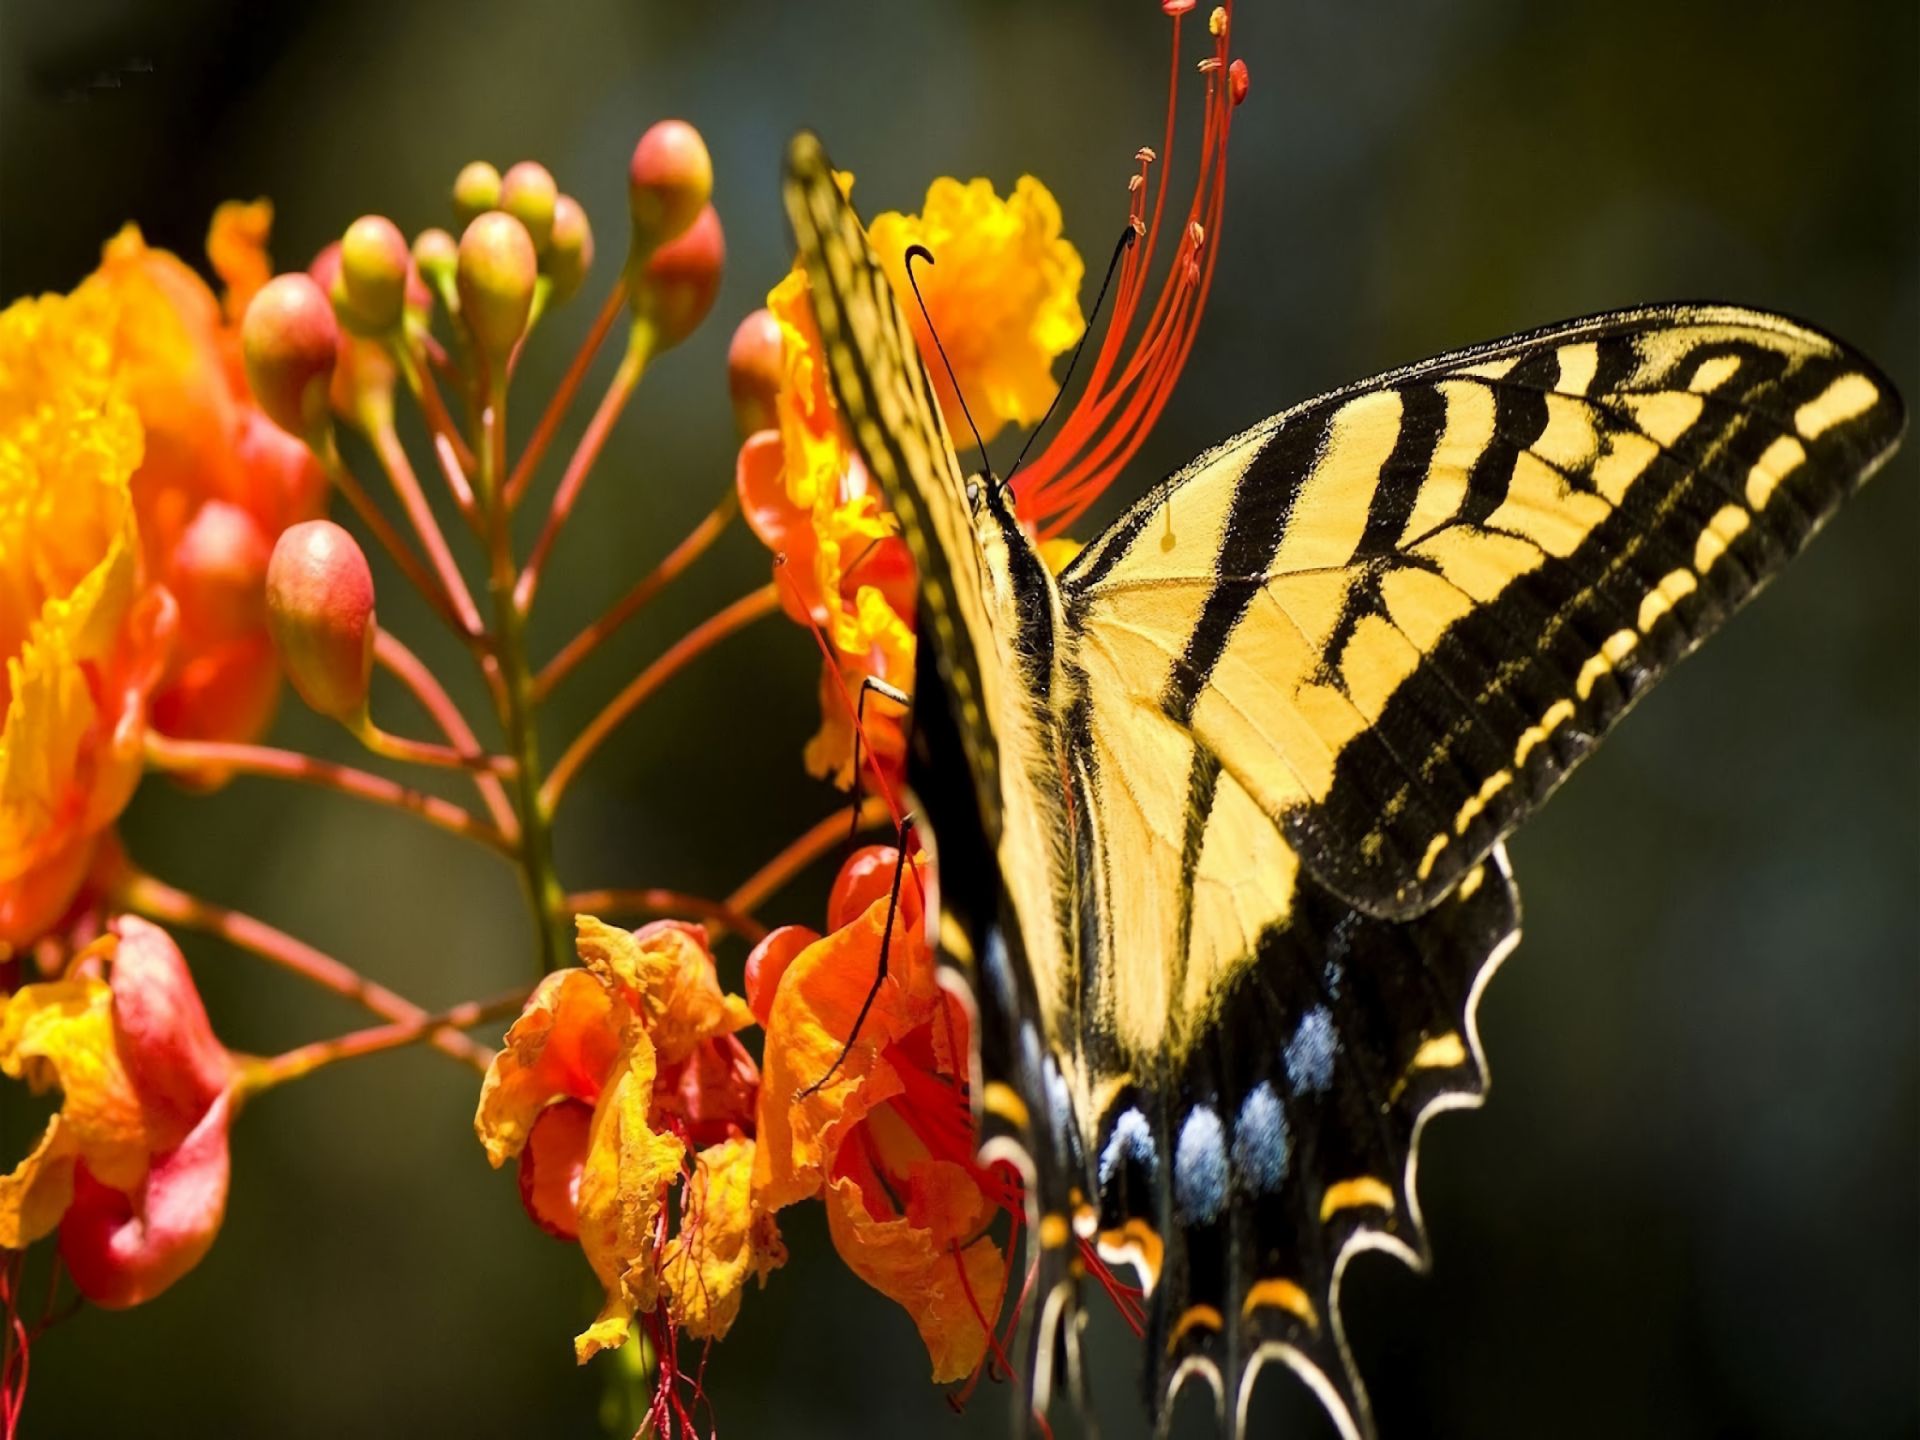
[(888, 1139), (219, 482), (620, 1081), (82, 637), (133, 1168)]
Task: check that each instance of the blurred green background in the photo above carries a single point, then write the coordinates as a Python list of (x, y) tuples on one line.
[(1692, 1204)]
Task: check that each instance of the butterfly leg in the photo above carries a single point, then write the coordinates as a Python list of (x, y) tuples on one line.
[(885, 691), (880, 970)]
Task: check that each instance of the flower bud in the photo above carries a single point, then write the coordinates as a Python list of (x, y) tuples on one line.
[(320, 608), (496, 274), (669, 181), (476, 190), (218, 573), (769, 961), (374, 262), (527, 193), (679, 281), (570, 252), (755, 368), (290, 339), (865, 878), (436, 254)]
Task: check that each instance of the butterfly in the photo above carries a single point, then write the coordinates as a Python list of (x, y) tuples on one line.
[(1219, 812)]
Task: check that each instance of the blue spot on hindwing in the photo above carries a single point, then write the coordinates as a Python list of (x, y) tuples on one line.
[(1309, 1054), (1261, 1145), (1131, 1141), (1200, 1167)]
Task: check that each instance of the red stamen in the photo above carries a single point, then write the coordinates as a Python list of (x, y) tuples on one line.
[(1126, 1298), (1114, 413)]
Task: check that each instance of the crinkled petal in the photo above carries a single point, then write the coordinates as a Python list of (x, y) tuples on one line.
[(665, 971), (953, 1294), (37, 1192), (704, 1268), (551, 1165), (564, 1045), (125, 1247), (237, 250), (60, 1033), (813, 1015), (623, 1189)]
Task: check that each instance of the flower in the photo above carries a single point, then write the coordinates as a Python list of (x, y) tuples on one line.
[(82, 637), (133, 1168), (1003, 295), (219, 481), (877, 1123), (621, 1082)]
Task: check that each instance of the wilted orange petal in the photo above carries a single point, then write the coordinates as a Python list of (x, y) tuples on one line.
[(39, 1189), (563, 1046), (61, 1033), (665, 971), (705, 1267), (237, 250), (622, 1196), (905, 1263)]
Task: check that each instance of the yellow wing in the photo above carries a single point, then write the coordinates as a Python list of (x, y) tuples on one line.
[(1374, 632)]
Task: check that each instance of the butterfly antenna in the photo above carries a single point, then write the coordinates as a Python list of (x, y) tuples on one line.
[(1125, 243), (920, 252)]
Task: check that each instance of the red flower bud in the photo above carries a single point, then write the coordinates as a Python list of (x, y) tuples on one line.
[(527, 193), (679, 281), (669, 182), (374, 264), (769, 961), (754, 372), (218, 573), (866, 877), (476, 190), (290, 340), (570, 252), (320, 607), (496, 274)]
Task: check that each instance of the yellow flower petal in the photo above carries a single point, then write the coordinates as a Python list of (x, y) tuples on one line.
[(39, 1189), (60, 1033), (665, 971), (623, 1193), (564, 1045), (722, 1240)]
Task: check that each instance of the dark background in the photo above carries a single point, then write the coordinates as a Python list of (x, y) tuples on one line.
[(1691, 1207)]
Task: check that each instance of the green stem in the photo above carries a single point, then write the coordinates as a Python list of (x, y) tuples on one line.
[(544, 891)]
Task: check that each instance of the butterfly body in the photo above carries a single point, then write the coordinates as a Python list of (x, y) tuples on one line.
[(1219, 811)]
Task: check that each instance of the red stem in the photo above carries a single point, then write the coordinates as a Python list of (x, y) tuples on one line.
[(562, 401), (410, 671), (801, 852)]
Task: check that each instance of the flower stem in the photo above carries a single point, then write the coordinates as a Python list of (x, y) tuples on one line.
[(549, 901), (702, 637), (259, 1075), (678, 559), (426, 392), (411, 672), (157, 900), (666, 904), (619, 391), (220, 758), (390, 539), (562, 401), (802, 852), (400, 474)]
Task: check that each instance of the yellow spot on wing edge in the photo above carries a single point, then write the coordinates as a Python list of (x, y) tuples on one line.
[(1362, 1192), (1000, 1101), (1557, 715), (1613, 650), (1442, 1052), (1663, 597), (1281, 1295), (1138, 1243), (1053, 1232), (1712, 544), (1470, 811), (1782, 458), (1197, 1317), (1852, 394), (1714, 372), (1472, 882), (1434, 848)]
